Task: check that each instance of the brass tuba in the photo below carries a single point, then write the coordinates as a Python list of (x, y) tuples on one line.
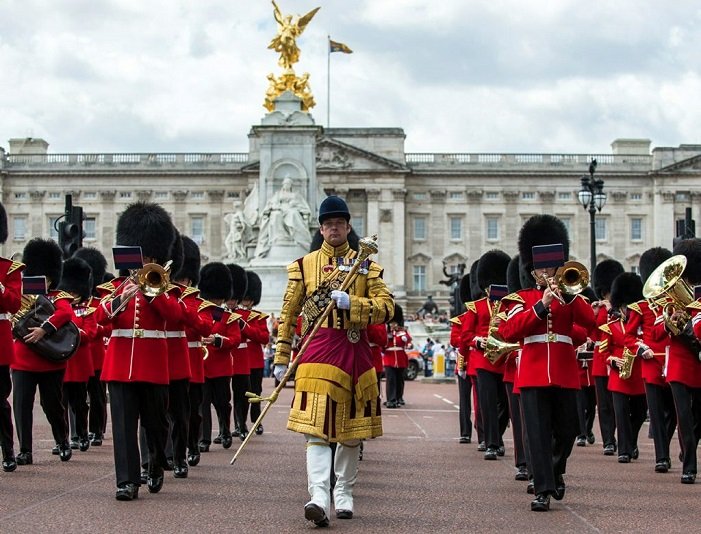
[(666, 288)]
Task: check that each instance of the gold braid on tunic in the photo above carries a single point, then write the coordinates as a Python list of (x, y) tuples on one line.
[(327, 404)]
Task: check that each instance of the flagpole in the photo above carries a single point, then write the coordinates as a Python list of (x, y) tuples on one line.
[(328, 81)]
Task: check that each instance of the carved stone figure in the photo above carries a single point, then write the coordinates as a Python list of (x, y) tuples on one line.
[(239, 233), (285, 220)]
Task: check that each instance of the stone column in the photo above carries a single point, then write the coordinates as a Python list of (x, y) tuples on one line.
[(475, 226), (397, 250), (438, 226), (180, 212), (108, 223), (663, 218), (215, 213), (36, 225), (372, 217)]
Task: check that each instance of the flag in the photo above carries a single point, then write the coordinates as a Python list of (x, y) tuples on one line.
[(338, 47)]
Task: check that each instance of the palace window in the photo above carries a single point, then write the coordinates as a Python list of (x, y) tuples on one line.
[(54, 195), (455, 228), (90, 228), (420, 196), (197, 229), (197, 195), (53, 225), (90, 195), (419, 228), (636, 196), (20, 196), (19, 225), (456, 195), (492, 228), (636, 229), (420, 278), (492, 195), (161, 195), (601, 229), (528, 195), (562, 195), (358, 224), (125, 194)]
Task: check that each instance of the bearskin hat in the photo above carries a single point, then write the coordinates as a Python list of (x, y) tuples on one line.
[(108, 277), (318, 239), (215, 281), (513, 274), (177, 254), (77, 277), (465, 293), (626, 289), (398, 316), (148, 226), (651, 259), (475, 290), (541, 230), (526, 278), (97, 262), (254, 287), (589, 294), (691, 248), (190, 269), (43, 257), (239, 281), (603, 276), (491, 268), (3, 224)]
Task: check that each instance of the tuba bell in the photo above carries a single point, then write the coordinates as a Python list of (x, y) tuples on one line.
[(666, 288)]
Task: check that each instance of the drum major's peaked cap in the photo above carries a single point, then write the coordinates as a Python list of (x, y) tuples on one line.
[(333, 206), (626, 289), (215, 281), (239, 281), (541, 230), (398, 316), (491, 268), (97, 262), (603, 276), (691, 249), (651, 259), (43, 257), (148, 226), (3, 224), (77, 277), (254, 288), (190, 269)]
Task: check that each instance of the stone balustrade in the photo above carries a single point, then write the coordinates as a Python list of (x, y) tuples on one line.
[(526, 161), (125, 160)]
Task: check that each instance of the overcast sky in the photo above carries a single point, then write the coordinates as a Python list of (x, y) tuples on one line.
[(457, 75)]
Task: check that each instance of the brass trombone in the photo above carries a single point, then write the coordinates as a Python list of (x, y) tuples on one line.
[(152, 279), (570, 279)]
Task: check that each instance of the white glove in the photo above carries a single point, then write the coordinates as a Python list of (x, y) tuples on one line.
[(341, 298), (279, 371)]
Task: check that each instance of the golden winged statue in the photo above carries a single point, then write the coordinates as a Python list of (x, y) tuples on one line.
[(289, 28)]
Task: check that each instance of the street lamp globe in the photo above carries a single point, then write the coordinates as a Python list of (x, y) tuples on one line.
[(585, 193)]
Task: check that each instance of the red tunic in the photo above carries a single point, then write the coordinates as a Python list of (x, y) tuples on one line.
[(377, 336), (178, 351), (80, 366), (197, 326), (26, 359), (219, 361), (97, 344), (476, 321), (10, 302), (254, 335), (547, 357), (683, 365), (612, 344), (138, 350), (641, 325), (395, 352), (599, 366)]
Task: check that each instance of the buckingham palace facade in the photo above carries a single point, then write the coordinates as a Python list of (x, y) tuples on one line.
[(428, 209)]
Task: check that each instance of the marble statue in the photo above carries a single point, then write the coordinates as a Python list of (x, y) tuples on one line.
[(239, 234)]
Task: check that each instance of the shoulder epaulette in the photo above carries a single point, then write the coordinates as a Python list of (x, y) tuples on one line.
[(233, 316), (63, 295), (456, 320), (255, 314), (189, 291), (635, 307), (515, 297), (205, 304), (107, 286), (502, 316), (15, 265), (471, 306), (605, 328), (90, 310), (696, 305)]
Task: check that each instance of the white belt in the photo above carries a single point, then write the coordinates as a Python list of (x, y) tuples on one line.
[(5, 316), (194, 344), (242, 345), (394, 348), (548, 338), (172, 333), (138, 332), (374, 345)]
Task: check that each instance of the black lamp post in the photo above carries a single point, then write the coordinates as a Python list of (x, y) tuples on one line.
[(592, 198)]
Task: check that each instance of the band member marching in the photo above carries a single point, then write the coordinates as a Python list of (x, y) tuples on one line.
[(395, 359), (548, 378), (642, 321), (77, 281), (623, 354), (136, 362), (10, 302), (42, 257), (240, 378), (603, 276), (464, 381), (586, 397), (336, 392)]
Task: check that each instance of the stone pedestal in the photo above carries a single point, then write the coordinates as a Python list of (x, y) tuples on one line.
[(274, 278)]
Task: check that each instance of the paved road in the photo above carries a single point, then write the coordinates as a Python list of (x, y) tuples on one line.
[(416, 478)]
